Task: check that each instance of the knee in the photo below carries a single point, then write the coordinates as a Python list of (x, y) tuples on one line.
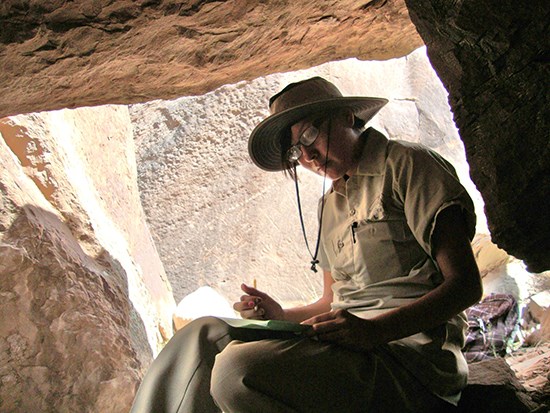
[(204, 328), (203, 323), (227, 370), (233, 368), (199, 336)]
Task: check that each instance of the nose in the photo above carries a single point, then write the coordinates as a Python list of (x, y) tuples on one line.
[(309, 153)]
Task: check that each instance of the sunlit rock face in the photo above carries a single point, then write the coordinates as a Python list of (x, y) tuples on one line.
[(219, 221), (84, 299)]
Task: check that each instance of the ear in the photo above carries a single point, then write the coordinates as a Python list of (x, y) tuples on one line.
[(348, 117)]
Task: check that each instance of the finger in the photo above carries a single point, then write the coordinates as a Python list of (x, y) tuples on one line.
[(252, 291), (253, 314), (326, 335), (342, 339), (332, 335), (311, 321), (327, 326), (336, 338), (250, 302), (319, 318), (319, 328), (241, 306)]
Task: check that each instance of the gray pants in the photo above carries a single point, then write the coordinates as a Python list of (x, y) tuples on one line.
[(208, 366)]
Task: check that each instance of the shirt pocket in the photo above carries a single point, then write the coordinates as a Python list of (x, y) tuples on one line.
[(385, 248)]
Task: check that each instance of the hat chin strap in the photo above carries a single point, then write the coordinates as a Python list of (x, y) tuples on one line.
[(314, 261)]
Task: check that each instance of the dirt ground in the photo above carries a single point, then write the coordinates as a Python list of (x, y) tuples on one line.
[(532, 367)]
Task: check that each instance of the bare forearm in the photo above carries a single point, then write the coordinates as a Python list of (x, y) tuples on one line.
[(461, 287), (435, 308), (299, 314), (322, 305)]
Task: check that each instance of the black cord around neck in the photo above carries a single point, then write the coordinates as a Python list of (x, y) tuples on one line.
[(314, 260)]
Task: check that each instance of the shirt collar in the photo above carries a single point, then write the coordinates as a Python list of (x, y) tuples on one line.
[(373, 158)]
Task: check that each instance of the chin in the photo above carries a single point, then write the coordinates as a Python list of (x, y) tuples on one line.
[(331, 172), (332, 175)]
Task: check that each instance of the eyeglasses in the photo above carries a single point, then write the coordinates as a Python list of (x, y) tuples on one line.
[(307, 138)]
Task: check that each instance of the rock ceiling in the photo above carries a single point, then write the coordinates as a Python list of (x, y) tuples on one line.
[(85, 52), (492, 56)]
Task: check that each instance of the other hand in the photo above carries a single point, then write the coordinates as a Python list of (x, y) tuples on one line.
[(343, 328)]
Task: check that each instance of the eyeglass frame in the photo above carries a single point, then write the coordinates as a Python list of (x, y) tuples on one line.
[(295, 152)]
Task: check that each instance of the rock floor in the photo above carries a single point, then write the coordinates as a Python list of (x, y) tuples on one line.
[(531, 366)]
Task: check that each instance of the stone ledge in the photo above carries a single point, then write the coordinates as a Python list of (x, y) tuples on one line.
[(493, 388)]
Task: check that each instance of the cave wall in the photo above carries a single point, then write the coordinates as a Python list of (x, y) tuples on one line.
[(210, 209), (493, 57), (84, 298), (83, 53)]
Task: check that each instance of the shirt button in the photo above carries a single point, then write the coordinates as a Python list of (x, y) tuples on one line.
[(352, 212)]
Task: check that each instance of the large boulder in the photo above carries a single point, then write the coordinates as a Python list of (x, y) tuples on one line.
[(492, 57), (85, 301)]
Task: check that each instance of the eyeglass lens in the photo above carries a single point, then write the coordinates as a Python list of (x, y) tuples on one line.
[(307, 138)]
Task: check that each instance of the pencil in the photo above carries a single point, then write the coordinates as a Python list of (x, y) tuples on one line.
[(255, 284)]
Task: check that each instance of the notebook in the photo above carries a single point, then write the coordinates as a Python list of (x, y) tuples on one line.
[(273, 325)]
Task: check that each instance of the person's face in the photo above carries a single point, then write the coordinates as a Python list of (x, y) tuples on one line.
[(334, 148)]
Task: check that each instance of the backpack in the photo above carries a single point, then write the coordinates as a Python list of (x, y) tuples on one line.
[(492, 327)]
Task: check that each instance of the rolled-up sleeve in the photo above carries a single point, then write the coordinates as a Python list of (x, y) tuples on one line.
[(426, 184)]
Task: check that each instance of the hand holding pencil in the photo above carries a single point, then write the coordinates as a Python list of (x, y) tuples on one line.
[(255, 304)]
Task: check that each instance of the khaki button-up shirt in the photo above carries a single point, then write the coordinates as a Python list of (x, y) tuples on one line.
[(376, 242)]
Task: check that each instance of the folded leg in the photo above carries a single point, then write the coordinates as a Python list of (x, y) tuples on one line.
[(303, 375)]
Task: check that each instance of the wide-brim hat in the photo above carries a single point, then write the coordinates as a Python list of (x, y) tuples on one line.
[(294, 103)]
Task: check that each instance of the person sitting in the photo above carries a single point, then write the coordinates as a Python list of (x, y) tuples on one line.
[(397, 268)]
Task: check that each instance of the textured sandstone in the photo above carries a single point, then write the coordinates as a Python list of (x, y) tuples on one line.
[(212, 212), (492, 57), (83, 297), (63, 325), (82, 53), (493, 388)]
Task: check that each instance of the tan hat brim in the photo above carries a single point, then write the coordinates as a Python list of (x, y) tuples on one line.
[(264, 144)]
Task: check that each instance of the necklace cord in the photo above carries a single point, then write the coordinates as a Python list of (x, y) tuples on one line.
[(314, 260)]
